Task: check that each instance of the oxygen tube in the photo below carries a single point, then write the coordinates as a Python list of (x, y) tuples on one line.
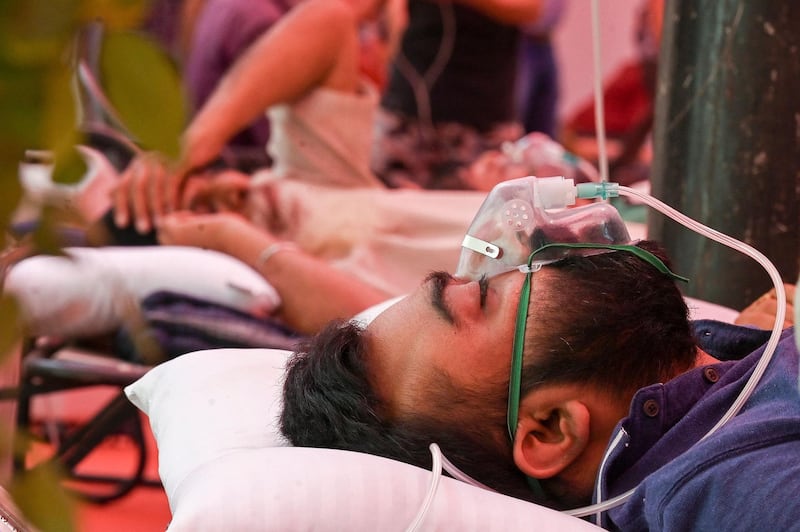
[(605, 190), (609, 190)]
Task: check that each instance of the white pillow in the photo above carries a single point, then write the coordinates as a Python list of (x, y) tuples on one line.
[(205, 404), (704, 310), (298, 488), (225, 466), (92, 290)]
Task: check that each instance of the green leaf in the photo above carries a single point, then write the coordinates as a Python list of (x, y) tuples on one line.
[(47, 238), (9, 326), (39, 495), (22, 108), (11, 191), (60, 127), (116, 14), (35, 32), (69, 167), (145, 87)]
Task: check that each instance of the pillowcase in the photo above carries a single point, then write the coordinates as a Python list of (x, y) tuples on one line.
[(90, 291), (704, 310), (225, 466), (206, 404), (298, 488)]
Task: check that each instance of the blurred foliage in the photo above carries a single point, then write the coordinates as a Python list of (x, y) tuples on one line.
[(41, 499), (38, 110), (134, 90), (9, 328)]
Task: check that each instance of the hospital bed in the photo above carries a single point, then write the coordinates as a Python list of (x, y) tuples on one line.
[(222, 461)]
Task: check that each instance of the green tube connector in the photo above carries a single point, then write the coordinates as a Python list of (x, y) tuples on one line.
[(603, 190)]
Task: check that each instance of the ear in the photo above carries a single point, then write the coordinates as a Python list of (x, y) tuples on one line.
[(550, 438)]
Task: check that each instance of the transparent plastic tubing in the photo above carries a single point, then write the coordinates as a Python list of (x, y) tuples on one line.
[(599, 110), (605, 191), (436, 476), (751, 252), (769, 350)]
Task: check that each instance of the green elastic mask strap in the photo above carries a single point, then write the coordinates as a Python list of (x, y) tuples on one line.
[(516, 356), (515, 379), (516, 371), (643, 254)]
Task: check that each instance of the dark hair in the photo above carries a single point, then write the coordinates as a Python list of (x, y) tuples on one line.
[(614, 322), (620, 325), (328, 402)]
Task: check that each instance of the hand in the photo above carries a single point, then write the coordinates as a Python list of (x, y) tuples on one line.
[(201, 144), (225, 191), (209, 231), (761, 312), (491, 168), (140, 195), (151, 187)]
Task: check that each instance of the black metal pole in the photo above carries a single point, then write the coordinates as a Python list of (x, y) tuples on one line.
[(727, 141)]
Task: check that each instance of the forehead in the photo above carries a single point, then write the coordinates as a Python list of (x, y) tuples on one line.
[(411, 345)]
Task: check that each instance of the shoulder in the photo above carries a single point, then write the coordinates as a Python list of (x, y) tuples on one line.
[(334, 11), (741, 490), (327, 23), (727, 341)]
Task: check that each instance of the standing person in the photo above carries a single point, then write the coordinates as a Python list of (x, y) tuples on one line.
[(450, 95), (537, 83)]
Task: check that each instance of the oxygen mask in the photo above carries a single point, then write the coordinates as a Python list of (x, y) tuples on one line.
[(522, 215)]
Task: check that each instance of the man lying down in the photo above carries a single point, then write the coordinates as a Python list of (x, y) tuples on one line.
[(573, 379)]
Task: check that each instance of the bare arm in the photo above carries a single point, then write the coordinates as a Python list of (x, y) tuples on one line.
[(316, 44), (312, 292), (761, 312), (302, 51), (513, 12)]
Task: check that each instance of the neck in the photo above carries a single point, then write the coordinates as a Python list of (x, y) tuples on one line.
[(704, 359)]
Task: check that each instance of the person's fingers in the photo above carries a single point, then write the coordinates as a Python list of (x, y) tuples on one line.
[(140, 197), (195, 194), (231, 200), (172, 189), (148, 196), (119, 200), (789, 291), (130, 196), (159, 174), (171, 225), (174, 186), (231, 189)]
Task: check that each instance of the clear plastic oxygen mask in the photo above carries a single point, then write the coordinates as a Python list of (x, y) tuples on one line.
[(523, 215), (538, 154)]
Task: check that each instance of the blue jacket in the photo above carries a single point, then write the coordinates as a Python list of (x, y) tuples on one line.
[(745, 476)]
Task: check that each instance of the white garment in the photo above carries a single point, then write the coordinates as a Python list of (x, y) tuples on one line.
[(389, 238), (325, 137), (325, 198)]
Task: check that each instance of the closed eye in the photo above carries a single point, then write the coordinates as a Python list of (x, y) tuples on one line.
[(438, 281), (483, 283)]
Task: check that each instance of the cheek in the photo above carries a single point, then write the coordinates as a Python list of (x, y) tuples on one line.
[(483, 356)]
